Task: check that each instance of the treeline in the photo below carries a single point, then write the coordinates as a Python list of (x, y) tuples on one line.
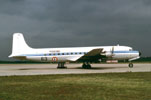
[(142, 59)]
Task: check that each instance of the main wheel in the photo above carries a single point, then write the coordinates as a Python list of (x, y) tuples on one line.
[(130, 65), (61, 65), (84, 66), (88, 66)]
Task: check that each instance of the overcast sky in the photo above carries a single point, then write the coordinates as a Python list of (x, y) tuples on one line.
[(65, 23)]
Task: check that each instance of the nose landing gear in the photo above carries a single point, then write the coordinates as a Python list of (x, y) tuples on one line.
[(130, 65)]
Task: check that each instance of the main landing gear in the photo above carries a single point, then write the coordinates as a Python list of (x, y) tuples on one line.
[(86, 65), (61, 65), (130, 65)]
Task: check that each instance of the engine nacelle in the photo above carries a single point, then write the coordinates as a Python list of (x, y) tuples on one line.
[(108, 54)]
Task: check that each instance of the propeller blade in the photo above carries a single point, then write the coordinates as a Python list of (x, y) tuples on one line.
[(112, 50)]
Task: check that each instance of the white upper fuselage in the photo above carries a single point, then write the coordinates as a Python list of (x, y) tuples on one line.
[(71, 54)]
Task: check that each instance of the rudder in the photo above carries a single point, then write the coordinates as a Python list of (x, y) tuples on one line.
[(19, 45)]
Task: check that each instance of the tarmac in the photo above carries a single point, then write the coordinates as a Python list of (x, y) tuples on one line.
[(49, 69)]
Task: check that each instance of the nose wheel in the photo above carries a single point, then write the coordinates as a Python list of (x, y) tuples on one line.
[(130, 65)]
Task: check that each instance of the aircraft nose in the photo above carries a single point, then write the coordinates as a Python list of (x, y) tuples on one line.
[(140, 53)]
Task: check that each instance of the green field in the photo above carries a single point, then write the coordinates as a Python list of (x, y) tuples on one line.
[(108, 86)]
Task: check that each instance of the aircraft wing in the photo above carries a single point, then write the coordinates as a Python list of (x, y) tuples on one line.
[(92, 56)]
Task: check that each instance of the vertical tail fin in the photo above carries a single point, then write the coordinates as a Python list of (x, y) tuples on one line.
[(19, 45)]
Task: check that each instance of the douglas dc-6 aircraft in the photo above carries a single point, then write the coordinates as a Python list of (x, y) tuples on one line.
[(86, 55)]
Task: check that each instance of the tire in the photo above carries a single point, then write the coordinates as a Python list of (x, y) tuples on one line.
[(130, 65), (88, 66), (84, 66)]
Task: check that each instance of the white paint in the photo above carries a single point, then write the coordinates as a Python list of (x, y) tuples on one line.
[(21, 50)]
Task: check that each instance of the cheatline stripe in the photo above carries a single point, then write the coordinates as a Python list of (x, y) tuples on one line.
[(73, 53)]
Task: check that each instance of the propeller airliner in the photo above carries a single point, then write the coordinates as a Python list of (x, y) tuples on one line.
[(86, 55)]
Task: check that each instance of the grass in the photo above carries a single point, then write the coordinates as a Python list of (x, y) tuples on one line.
[(108, 86)]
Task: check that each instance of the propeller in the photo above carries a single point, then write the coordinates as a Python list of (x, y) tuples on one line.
[(112, 51)]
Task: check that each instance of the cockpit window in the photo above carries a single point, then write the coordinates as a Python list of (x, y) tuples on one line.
[(130, 49)]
